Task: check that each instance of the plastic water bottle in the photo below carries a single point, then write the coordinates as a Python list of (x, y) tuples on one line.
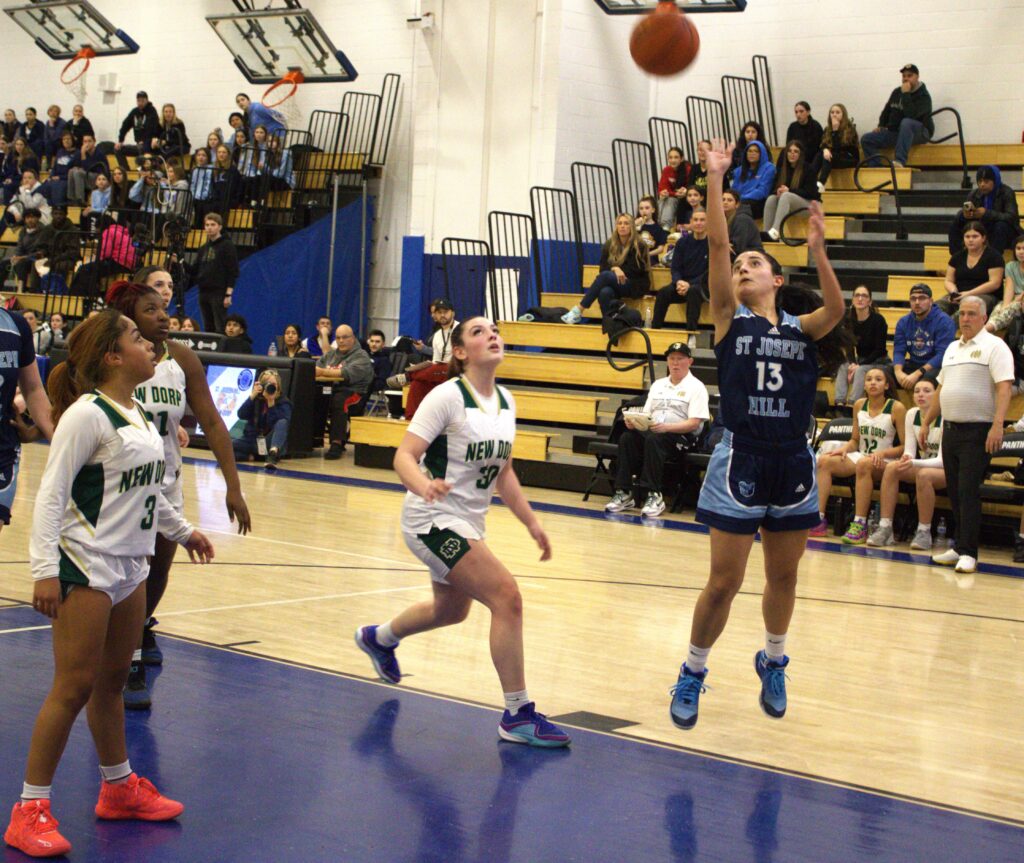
[(940, 535), (648, 314), (272, 350)]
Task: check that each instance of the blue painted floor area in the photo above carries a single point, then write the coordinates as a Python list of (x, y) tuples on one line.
[(282, 764)]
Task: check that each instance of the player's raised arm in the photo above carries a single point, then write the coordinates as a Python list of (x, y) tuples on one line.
[(723, 300), (821, 322)]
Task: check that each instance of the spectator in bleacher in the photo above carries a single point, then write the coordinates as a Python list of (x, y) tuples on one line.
[(349, 369), (806, 130), (267, 414), (189, 325), (33, 241), (743, 233), (10, 125), (924, 469), (380, 356), (922, 337), (236, 330), (689, 275), (80, 126), (20, 158), (973, 397), (291, 343), (653, 236), (61, 254), (754, 178), (32, 131), (144, 190), (144, 124), (974, 271), (240, 142), (119, 189), (40, 335), (675, 177), (905, 120), (62, 161), (28, 197), (172, 140), (117, 254), (994, 205), (57, 327), (257, 114), (750, 132), (699, 172), (1012, 304), (172, 189), (319, 344), (796, 185), (423, 377), (840, 145), (227, 183), (88, 165), (236, 121), (878, 429), (216, 270), (280, 165), (686, 208), (675, 411), (213, 141), (53, 133), (251, 163), (624, 271), (870, 333), (174, 324)]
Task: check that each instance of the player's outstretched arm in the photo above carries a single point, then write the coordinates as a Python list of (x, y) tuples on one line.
[(511, 493), (821, 322), (722, 298)]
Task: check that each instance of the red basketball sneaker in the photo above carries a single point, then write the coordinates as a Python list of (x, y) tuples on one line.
[(136, 798), (33, 830)]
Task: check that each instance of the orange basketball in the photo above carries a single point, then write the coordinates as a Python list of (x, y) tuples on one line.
[(665, 41)]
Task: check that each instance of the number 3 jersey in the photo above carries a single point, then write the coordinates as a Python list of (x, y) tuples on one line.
[(163, 399), (101, 490), (767, 377), (470, 440)]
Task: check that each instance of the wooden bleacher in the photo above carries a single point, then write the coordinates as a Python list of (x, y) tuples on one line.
[(584, 338), (567, 371), (69, 306), (675, 317), (852, 203), (841, 179), (374, 431), (898, 289), (936, 258)]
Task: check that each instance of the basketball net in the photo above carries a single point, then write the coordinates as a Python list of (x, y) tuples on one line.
[(278, 97), (73, 75)]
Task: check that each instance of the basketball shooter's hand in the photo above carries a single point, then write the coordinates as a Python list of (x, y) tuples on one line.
[(437, 489), (816, 227), (46, 596), (238, 510), (719, 159), (541, 538), (199, 548)]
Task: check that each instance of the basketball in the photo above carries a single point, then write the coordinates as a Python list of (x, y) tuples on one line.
[(664, 42)]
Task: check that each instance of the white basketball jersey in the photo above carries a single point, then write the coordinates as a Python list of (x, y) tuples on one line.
[(878, 432), (934, 445), (470, 442), (163, 398), (101, 489)]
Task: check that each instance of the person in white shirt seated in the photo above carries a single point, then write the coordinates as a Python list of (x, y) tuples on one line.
[(421, 378), (670, 421), (921, 467)]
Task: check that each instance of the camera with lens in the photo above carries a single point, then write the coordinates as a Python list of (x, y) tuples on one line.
[(270, 388)]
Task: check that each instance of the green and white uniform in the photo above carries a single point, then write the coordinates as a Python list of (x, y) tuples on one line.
[(470, 440), (876, 432), (932, 454), (100, 503), (163, 399)]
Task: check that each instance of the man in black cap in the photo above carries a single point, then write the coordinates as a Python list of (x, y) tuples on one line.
[(144, 123), (670, 421), (922, 337), (992, 203), (423, 377), (905, 120)]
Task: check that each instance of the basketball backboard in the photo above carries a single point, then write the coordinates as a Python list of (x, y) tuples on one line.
[(63, 27), (639, 7), (267, 44)]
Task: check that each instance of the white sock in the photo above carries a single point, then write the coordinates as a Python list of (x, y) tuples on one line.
[(885, 522), (137, 655), (515, 700), (1020, 535), (922, 526), (35, 792), (775, 646), (860, 519), (116, 774), (385, 637), (697, 658), (821, 515)]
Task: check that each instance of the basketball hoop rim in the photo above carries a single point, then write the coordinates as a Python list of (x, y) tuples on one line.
[(294, 78), (86, 54)]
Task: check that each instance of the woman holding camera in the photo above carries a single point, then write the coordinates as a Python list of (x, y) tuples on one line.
[(267, 414)]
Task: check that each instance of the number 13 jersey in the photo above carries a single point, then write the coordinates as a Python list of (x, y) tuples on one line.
[(767, 377), (470, 440)]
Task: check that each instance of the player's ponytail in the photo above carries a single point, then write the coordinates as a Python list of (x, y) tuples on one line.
[(456, 366), (837, 346), (84, 368)]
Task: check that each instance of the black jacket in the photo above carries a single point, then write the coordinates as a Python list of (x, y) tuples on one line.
[(1003, 209), (80, 129), (216, 267), (916, 105), (637, 275), (870, 336), (744, 235), (173, 140), (808, 186), (809, 135), (144, 125)]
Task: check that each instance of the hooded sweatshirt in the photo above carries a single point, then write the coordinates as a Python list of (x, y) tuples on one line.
[(917, 105), (755, 187), (1001, 203)]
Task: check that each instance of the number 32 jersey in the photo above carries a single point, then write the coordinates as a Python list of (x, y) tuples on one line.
[(470, 440), (767, 377)]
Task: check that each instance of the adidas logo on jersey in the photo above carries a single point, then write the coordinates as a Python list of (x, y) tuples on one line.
[(774, 331), (800, 488)]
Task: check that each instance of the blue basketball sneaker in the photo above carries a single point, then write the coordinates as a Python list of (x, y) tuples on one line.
[(686, 697), (773, 684), (532, 728), (136, 692), (383, 658)]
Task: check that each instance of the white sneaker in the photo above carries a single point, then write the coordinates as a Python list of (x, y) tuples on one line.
[(620, 500), (966, 564), (691, 343), (773, 234), (573, 316), (897, 165), (922, 540), (821, 188), (949, 557), (653, 506), (881, 537)]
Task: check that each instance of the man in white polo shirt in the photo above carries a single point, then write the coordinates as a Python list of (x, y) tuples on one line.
[(975, 381), (672, 417)]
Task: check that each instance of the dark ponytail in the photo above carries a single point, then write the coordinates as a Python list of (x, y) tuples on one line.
[(84, 369), (456, 366), (837, 346)]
